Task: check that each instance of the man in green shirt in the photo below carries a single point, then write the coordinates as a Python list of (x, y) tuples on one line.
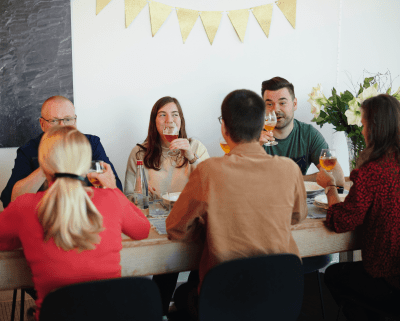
[(297, 140)]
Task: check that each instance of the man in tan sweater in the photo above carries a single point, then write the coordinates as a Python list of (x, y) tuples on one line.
[(244, 203)]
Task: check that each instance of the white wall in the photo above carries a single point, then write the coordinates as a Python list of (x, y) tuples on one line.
[(119, 73)]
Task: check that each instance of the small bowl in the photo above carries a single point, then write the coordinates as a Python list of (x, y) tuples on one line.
[(173, 197)]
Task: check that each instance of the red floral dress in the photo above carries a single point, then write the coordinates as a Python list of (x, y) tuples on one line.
[(374, 203)]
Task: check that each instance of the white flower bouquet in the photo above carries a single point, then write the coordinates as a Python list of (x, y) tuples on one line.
[(343, 111)]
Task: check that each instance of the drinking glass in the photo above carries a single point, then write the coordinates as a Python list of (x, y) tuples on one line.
[(171, 132), (224, 145), (327, 159), (165, 198), (97, 167), (269, 125)]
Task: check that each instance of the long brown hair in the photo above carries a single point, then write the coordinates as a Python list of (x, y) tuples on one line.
[(382, 117), (66, 211), (152, 145)]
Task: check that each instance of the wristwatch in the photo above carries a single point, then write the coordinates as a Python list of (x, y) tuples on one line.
[(195, 158), (328, 188)]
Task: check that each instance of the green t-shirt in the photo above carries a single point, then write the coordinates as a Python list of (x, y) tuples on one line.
[(303, 145)]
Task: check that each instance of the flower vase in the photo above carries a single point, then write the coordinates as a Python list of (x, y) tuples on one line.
[(352, 153)]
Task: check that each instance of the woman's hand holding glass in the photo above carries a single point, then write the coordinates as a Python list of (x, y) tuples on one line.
[(104, 178), (183, 145), (171, 133), (325, 178)]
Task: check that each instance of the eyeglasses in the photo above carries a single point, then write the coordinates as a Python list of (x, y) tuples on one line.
[(220, 119), (69, 121)]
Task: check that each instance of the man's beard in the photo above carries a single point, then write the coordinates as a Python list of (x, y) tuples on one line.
[(286, 122)]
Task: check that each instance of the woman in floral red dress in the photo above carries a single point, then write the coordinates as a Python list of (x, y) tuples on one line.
[(373, 203)]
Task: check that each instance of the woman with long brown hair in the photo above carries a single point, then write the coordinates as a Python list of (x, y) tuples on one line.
[(68, 232), (165, 173), (374, 203)]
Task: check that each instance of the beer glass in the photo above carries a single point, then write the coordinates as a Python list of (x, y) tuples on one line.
[(269, 125), (224, 145), (171, 132), (97, 167), (327, 159)]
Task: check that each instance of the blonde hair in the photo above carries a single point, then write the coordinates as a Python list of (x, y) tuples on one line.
[(66, 211)]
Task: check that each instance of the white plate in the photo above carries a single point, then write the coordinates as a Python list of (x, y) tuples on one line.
[(322, 200), (324, 206), (172, 197), (312, 187)]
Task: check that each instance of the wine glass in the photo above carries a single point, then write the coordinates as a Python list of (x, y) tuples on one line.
[(269, 125), (327, 159), (224, 145), (171, 132), (96, 166)]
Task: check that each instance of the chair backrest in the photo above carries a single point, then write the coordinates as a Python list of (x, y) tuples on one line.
[(258, 288), (130, 298)]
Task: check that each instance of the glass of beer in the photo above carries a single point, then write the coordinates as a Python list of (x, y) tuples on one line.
[(96, 167), (269, 125), (171, 132), (224, 145), (327, 159)]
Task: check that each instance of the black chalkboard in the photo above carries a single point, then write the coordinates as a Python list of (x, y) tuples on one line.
[(35, 64)]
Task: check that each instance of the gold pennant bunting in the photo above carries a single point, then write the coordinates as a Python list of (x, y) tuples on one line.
[(288, 8), (132, 9), (159, 12), (211, 20), (187, 18), (100, 4), (263, 15), (239, 19)]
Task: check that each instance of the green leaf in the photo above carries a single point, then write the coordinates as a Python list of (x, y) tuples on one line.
[(360, 90), (389, 91), (347, 96), (367, 82), (322, 114)]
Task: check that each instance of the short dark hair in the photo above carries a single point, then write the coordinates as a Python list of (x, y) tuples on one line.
[(275, 84), (243, 113), (382, 116)]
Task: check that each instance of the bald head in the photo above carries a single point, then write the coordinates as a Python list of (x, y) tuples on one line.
[(54, 108)]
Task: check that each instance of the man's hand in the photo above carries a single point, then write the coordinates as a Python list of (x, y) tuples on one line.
[(29, 184), (107, 178), (266, 137)]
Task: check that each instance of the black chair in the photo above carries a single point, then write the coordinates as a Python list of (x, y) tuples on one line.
[(258, 288), (385, 309), (130, 298), (313, 265)]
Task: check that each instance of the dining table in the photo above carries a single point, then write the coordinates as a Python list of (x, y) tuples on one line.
[(157, 254)]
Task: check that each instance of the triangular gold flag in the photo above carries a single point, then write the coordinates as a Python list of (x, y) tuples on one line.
[(100, 4), (239, 19), (288, 8), (187, 18), (159, 12), (132, 9), (263, 14), (211, 20)]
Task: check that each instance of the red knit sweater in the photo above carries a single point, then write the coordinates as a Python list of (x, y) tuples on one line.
[(374, 203), (53, 267)]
